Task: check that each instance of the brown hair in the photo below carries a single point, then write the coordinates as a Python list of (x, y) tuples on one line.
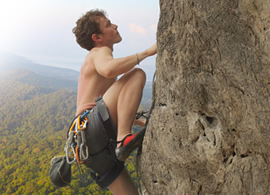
[(88, 25)]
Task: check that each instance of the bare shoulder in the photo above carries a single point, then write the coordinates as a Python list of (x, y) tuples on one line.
[(101, 51)]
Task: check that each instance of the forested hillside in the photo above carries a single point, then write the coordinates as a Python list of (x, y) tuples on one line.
[(9, 61), (35, 114)]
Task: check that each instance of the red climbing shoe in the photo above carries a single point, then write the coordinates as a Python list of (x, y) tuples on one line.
[(128, 144)]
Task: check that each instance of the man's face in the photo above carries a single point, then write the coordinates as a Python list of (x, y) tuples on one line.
[(110, 34)]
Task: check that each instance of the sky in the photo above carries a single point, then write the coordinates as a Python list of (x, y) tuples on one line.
[(41, 30)]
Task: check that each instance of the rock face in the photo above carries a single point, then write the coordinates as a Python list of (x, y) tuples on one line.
[(209, 130)]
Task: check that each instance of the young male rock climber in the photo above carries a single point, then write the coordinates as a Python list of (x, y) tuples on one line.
[(120, 98)]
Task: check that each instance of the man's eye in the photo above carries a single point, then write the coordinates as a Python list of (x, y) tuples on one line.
[(109, 23)]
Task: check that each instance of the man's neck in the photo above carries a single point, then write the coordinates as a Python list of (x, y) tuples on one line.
[(103, 45)]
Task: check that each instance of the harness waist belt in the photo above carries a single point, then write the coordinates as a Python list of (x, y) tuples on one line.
[(104, 115)]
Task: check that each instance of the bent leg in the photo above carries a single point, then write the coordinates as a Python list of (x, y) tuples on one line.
[(123, 185), (123, 98)]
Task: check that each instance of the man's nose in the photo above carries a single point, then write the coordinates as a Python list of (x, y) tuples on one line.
[(115, 26)]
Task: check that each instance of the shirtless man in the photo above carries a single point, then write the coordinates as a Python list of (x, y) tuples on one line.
[(98, 77)]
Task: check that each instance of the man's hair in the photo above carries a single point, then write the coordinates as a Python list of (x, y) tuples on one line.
[(86, 26)]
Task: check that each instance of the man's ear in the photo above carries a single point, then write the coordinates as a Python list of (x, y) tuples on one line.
[(95, 37)]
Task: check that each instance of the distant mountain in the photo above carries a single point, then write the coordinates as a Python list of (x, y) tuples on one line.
[(38, 81), (10, 61), (53, 78)]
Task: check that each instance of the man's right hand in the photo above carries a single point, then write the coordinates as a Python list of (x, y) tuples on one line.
[(152, 50)]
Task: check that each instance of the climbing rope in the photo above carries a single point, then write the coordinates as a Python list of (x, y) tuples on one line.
[(143, 113), (147, 114)]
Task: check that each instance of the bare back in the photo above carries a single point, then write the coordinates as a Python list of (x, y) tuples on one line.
[(91, 84)]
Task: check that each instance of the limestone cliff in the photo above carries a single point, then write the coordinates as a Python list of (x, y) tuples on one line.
[(209, 130)]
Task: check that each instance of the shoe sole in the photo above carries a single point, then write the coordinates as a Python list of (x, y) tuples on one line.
[(123, 153)]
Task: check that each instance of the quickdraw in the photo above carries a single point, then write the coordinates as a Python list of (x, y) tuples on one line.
[(76, 142)]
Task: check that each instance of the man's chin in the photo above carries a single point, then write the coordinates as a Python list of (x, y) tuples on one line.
[(118, 41)]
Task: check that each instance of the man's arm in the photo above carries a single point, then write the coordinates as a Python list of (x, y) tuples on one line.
[(109, 67)]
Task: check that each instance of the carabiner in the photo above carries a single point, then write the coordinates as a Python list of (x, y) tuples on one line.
[(68, 147), (83, 152), (67, 156), (83, 147)]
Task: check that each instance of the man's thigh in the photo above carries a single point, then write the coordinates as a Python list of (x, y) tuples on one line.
[(111, 95)]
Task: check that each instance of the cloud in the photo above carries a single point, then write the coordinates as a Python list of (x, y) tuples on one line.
[(153, 27), (136, 29)]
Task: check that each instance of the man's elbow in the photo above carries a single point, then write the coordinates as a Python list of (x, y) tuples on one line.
[(109, 74)]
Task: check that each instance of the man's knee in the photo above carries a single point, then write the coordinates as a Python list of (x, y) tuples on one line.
[(139, 75)]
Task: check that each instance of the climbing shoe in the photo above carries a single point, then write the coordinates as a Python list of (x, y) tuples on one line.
[(128, 144)]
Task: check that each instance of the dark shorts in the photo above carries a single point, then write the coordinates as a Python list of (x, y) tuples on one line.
[(102, 158)]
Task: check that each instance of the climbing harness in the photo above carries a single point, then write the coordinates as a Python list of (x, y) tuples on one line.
[(76, 143), (92, 145)]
